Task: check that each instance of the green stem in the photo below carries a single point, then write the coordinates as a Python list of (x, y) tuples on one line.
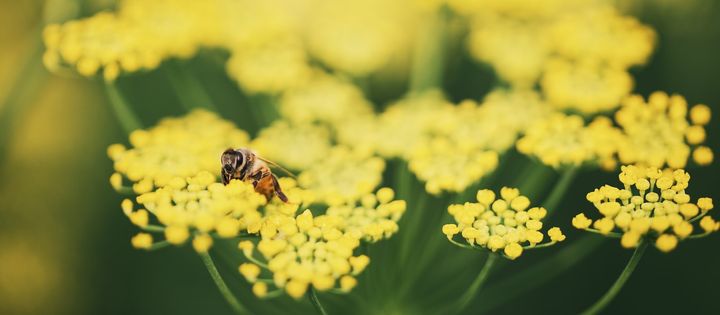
[(476, 284), (558, 191), (22, 92), (189, 90), (624, 276), (428, 53), (123, 112), (312, 295), (220, 283), (538, 274)]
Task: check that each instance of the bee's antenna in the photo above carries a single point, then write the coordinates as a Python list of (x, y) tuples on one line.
[(278, 166)]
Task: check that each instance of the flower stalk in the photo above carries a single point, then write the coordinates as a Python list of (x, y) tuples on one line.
[(620, 282), (312, 295), (220, 283), (477, 284), (124, 114)]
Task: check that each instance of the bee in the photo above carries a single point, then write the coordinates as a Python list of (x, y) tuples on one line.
[(245, 165)]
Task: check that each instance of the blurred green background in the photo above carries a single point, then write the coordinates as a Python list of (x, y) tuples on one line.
[(64, 243)]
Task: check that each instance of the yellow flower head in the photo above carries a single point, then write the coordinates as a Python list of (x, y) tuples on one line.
[(141, 34), (373, 218), (562, 140), (445, 166), (651, 204), (496, 123), (586, 87), (305, 251), (517, 50), (401, 127), (294, 146), (358, 36), (202, 204), (658, 133), (600, 33), (505, 223), (272, 68), (176, 147), (324, 99), (343, 175)]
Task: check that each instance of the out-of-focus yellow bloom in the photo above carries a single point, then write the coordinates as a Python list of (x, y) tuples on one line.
[(176, 147), (503, 223), (295, 146), (142, 241), (517, 50), (202, 242), (587, 87), (651, 204), (656, 130), (343, 175), (374, 218), (564, 140), (272, 68), (601, 34), (305, 251), (324, 99), (497, 122), (358, 36), (200, 203), (401, 127), (444, 166), (141, 34)]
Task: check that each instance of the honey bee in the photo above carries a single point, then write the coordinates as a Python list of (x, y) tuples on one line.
[(245, 165)]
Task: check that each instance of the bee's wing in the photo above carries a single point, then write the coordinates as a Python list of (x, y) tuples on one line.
[(271, 163)]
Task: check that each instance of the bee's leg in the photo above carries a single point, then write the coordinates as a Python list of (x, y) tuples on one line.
[(278, 190)]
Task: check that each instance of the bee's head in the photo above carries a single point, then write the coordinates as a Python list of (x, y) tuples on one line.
[(231, 160)]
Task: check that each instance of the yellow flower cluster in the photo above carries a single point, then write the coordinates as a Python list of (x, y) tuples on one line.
[(359, 36), (503, 223), (295, 146), (199, 205), (343, 175), (589, 87), (270, 42), (324, 99), (497, 122), (138, 36), (580, 51), (175, 147), (271, 68), (652, 206), (446, 167), (658, 133), (301, 252), (373, 219), (564, 140), (403, 126)]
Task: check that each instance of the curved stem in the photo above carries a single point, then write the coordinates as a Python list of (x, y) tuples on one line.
[(220, 283), (429, 55), (312, 295), (558, 191), (123, 112), (20, 95), (624, 276), (476, 284), (188, 88), (538, 274)]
